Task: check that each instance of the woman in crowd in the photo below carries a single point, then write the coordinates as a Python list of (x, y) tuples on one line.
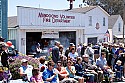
[(36, 78), (71, 70)]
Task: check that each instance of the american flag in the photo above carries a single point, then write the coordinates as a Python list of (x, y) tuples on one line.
[(107, 33)]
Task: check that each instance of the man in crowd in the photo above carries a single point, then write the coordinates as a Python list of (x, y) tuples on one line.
[(50, 75), (55, 52)]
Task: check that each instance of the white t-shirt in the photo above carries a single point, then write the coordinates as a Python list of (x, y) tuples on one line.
[(27, 70)]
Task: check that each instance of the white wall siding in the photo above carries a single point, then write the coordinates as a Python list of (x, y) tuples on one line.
[(115, 27), (30, 17), (12, 34)]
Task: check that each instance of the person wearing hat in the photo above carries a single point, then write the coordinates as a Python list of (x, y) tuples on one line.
[(2, 39), (4, 55), (25, 70), (119, 70), (88, 67), (90, 52)]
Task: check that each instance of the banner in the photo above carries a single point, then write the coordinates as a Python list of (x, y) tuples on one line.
[(50, 34)]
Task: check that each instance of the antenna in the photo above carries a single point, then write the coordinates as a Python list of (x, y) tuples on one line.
[(39, 5)]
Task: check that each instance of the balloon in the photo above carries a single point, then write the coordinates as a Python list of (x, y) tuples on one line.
[(9, 43)]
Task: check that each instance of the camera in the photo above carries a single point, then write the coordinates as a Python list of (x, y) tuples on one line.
[(25, 78)]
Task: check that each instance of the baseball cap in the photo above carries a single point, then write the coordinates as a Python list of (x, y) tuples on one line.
[(86, 55), (24, 60)]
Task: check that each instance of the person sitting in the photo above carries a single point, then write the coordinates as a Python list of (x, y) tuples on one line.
[(25, 70), (42, 65), (62, 71), (36, 78), (73, 54), (50, 75), (88, 68), (101, 62), (71, 70), (69, 80), (119, 70)]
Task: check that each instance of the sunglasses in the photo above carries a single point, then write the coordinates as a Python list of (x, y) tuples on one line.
[(59, 65), (52, 65)]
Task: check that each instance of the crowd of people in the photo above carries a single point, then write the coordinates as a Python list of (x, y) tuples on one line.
[(84, 63), (78, 64)]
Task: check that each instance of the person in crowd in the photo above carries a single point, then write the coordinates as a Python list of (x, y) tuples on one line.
[(119, 70), (78, 50), (88, 67), (63, 58), (25, 70), (101, 62), (50, 75), (4, 55), (36, 77), (96, 51), (110, 54), (55, 52), (42, 65), (2, 39), (33, 47), (62, 71), (69, 80), (90, 52), (71, 70), (83, 49), (38, 50), (105, 47), (114, 49), (69, 49), (73, 54)]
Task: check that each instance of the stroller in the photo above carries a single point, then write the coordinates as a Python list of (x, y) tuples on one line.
[(5, 74)]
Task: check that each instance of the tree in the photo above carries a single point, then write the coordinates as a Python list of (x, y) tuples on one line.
[(111, 6)]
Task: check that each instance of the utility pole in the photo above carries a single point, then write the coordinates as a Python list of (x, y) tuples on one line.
[(71, 3), (123, 19)]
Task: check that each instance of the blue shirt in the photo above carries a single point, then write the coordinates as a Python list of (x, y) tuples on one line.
[(101, 62), (47, 74)]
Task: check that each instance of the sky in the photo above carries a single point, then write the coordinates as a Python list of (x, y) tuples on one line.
[(46, 4)]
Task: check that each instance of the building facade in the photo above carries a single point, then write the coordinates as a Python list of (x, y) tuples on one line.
[(116, 28), (44, 26), (3, 18)]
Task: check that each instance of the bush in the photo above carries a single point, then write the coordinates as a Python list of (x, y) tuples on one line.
[(14, 66)]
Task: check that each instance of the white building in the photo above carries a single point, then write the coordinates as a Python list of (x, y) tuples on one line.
[(79, 25), (116, 28)]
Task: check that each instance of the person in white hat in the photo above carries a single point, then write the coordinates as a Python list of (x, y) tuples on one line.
[(25, 70), (119, 70)]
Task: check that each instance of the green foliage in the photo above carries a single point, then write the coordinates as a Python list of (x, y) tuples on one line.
[(14, 66)]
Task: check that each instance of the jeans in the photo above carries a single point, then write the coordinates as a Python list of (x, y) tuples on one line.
[(91, 77)]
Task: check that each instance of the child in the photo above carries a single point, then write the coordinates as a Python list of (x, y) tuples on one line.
[(36, 78), (119, 70)]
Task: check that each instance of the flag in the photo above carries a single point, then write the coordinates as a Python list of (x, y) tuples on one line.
[(107, 33)]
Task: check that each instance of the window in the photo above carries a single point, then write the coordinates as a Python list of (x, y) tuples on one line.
[(104, 21), (90, 20), (119, 27)]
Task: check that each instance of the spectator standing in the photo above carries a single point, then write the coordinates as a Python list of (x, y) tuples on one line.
[(90, 52), (55, 52), (96, 51), (38, 50), (4, 55), (78, 50)]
